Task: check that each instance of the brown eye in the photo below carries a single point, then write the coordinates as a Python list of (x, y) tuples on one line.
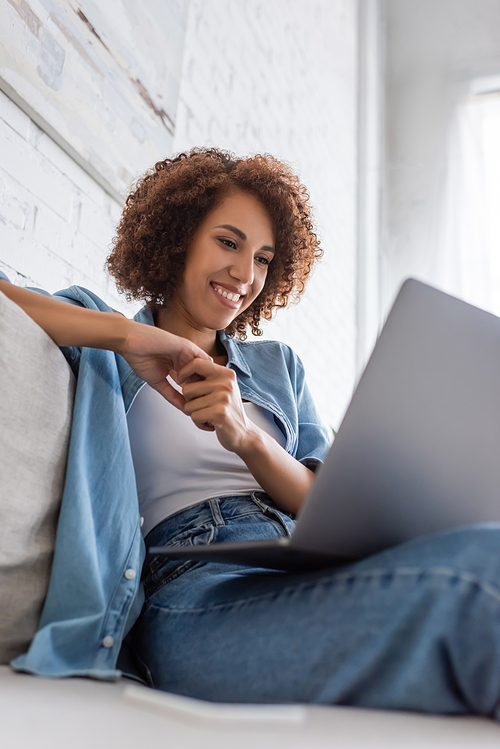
[(228, 243)]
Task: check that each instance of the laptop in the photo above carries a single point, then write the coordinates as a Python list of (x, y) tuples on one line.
[(418, 450)]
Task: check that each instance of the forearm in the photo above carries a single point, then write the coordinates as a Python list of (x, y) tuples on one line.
[(281, 476), (69, 325)]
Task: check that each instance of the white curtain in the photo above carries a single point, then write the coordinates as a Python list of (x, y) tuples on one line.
[(464, 228)]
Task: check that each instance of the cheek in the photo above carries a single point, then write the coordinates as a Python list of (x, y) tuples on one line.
[(261, 282), (190, 282), (258, 288)]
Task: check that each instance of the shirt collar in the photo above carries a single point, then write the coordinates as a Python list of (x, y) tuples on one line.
[(235, 357), (145, 316)]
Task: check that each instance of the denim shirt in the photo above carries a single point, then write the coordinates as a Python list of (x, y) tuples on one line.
[(95, 594)]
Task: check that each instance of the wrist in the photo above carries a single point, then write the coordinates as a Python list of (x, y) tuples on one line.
[(122, 333), (252, 442)]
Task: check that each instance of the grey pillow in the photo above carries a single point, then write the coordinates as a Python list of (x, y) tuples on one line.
[(37, 392)]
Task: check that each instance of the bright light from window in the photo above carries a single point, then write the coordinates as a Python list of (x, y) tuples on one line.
[(491, 140)]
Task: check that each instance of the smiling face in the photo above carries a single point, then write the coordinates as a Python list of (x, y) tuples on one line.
[(226, 267)]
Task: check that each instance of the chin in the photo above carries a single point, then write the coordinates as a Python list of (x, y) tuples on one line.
[(218, 323)]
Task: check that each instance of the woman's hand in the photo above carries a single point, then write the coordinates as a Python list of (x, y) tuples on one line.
[(153, 353), (214, 403)]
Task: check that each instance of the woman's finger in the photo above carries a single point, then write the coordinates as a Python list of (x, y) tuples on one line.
[(170, 394), (197, 404), (205, 427), (201, 367), (196, 390), (204, 417)]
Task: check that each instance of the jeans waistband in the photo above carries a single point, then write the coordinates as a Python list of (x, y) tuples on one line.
[(218, 511)]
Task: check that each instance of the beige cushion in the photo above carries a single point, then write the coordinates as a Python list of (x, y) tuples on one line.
[(37, 391)]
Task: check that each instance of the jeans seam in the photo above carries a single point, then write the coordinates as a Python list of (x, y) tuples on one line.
[(448, 572), (159, 584)]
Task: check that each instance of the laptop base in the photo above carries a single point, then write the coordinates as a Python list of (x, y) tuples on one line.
[(278, 554)]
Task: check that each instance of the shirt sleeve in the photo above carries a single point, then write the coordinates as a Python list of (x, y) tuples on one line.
[(314, 438)]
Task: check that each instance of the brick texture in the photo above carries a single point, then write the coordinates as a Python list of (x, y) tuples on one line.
[(56, 223)]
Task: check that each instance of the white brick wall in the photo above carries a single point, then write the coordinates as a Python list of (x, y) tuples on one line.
[(55, 222), (278, 77)]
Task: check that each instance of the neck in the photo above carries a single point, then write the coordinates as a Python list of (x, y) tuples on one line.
[(204, 338)]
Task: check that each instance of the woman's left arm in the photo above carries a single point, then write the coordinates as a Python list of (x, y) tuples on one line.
[(281, 476), (214, 403)]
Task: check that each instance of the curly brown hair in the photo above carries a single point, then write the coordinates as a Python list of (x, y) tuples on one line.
[(168, 204)]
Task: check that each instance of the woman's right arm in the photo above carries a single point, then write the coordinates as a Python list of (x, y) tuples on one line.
[(152, 353)]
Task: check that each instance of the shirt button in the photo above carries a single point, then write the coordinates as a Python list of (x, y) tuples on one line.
[(108, 641), (141, 522), (130, 574)]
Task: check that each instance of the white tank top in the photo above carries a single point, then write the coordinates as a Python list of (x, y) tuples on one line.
[(177, 465)]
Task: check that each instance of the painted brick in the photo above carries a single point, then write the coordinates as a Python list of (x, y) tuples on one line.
[(13, 116), (52, 231), (69, 168), (28, 167), (14, 212), (14, 276), (95, 223), (85, 255)]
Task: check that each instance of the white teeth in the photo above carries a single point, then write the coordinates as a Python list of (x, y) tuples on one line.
[(228, 295)]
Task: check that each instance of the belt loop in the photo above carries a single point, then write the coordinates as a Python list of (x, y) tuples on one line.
[(216, 513), (260, 504)]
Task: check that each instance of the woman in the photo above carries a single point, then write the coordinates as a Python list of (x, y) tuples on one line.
[(213, 244)]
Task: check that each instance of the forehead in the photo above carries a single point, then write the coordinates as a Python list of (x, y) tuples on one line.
[(245, 212)]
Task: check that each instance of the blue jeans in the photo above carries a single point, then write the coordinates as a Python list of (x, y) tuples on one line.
[(415, 627)]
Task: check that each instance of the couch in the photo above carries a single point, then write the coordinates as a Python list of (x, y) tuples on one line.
[(37, 389)]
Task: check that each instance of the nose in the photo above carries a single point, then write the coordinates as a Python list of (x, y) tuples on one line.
[(242, 268)]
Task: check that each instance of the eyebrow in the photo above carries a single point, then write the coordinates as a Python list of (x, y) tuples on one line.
[(242, 235)]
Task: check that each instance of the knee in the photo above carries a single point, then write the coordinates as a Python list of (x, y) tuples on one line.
[(469, 550)]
